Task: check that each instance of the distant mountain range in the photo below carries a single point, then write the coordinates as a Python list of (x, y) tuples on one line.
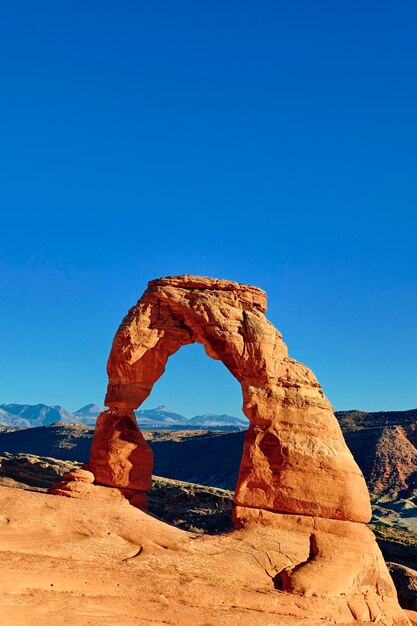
[(31, 416), (89, 411), (210, 419), (164, 417), (161, 415)]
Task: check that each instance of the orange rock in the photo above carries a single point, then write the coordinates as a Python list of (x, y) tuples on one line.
[(294, 460), (72, 489), (87, 491), (139, 500), (412, 616), (80, 475), (301, 499), (120, 456), (328, 557)]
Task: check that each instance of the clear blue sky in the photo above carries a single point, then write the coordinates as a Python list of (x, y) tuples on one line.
[(272, 143)]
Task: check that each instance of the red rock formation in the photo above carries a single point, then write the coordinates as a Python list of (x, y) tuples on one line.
[(299, 487), (79, 483), (294, 460), (120, 456), (328, 557)]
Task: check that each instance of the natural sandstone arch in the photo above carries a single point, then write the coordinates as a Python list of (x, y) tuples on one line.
[(300, 496), (294, 460)]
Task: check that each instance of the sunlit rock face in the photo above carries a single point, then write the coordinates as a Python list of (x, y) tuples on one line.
[(301, 500), (294, 459), (120, 456)]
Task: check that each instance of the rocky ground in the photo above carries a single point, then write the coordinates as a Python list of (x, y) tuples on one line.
[(189, 506), (79, 562), (204, 510)]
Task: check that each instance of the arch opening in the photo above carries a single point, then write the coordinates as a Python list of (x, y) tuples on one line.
[(193, 384), (196, 464)]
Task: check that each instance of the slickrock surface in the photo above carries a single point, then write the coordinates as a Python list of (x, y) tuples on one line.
[(339, 558), (83, 562), (302, 502)]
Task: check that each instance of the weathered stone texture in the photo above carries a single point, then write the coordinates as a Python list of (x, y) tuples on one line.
[(300, 497), (295, 458), (120, 456)]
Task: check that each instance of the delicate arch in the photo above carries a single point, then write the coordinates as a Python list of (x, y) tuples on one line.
[(293, 433)]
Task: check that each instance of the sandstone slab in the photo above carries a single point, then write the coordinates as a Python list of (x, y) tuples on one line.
[(104, 562)]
